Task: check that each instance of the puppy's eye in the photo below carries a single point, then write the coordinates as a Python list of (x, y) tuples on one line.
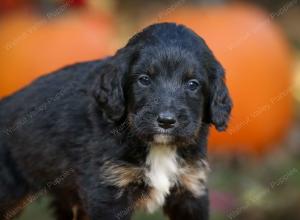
[(193, 84), (144, 80)]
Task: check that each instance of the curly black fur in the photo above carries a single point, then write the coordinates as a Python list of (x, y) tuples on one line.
[(97, 120)]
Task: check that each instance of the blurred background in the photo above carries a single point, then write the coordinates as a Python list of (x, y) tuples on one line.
[(255, 166)]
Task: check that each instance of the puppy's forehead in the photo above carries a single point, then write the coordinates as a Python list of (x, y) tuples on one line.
[(168, 59)]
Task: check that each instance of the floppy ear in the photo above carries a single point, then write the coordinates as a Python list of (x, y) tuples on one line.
[(220, 102), (108, 89)]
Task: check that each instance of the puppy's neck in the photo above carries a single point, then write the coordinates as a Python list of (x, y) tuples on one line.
[(163, 170)]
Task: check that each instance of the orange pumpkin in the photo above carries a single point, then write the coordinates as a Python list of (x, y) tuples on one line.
[(257, 60), (10, 4), (34, 45)]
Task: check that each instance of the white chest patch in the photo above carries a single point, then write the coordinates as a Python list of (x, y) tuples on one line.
[(162, 173)]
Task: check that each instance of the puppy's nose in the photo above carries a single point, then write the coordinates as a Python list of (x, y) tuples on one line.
[(166, 120)]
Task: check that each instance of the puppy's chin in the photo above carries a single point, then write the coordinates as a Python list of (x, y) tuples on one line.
[(154, 136), (163, 139)]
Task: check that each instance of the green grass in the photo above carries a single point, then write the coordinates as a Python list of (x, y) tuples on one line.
[(39, 210)]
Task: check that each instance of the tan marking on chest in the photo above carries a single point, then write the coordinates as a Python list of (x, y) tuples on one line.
[(194, 177), (121, 175), (163, 171), (181, 175)]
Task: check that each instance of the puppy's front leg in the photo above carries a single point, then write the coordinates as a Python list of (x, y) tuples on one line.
[(106, 203), (185, 206)]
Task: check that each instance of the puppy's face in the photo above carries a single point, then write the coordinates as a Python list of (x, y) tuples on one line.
[(167, 95), (166, 83)]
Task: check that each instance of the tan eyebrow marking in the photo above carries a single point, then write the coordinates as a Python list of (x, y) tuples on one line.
[(190, 72), (151, 70)]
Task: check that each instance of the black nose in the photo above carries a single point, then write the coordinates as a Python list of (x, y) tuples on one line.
[(166, 120)]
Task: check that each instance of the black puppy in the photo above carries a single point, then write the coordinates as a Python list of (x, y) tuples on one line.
[(110, 136)]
